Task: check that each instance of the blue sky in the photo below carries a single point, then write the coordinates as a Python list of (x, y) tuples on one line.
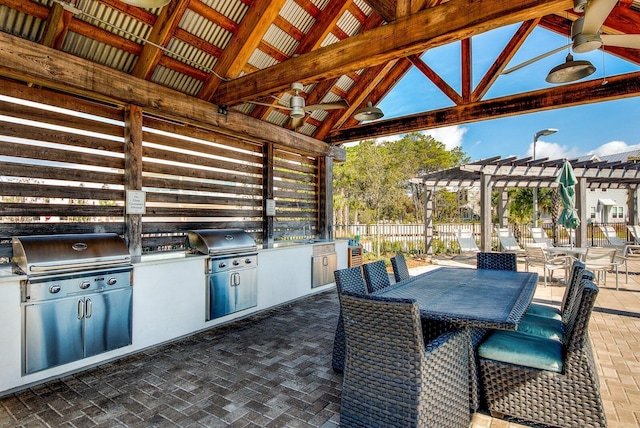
[(601, 128)]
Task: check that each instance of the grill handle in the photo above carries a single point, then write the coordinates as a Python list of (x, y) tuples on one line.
[(47, 268)]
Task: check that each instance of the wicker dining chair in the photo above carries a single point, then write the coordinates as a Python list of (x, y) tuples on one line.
[(391, 377), (546, 311), (400, 270), (497, 261), (567, 393), (350, 280), (376, 276)]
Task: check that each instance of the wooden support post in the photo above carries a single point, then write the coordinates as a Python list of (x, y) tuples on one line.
[(325, 197), (428, 219), (486, 187), (503, 208), (133, 175), (632, 205), (267, 192)]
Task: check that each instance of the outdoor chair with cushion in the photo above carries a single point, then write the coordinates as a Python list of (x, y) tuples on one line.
[(376, 276), (400, 270), (546, 311), (545, 381), (392, 378), (497, 261), (536, 255), (349, 280)]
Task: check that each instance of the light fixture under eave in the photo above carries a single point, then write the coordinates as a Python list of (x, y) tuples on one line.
[(147, 4), (570, 71), (368, 113)]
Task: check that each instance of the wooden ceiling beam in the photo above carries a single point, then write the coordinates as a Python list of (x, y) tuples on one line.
[(503, 59), (56, 27), (29, 62), (436, 26), (436, 79), (385, 8), (161, 33), (592, 91), (244, 42)]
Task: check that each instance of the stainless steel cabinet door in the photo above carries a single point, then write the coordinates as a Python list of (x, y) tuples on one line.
[(322, 268), (222, 298), (53, 333), (107, 321), (246, 289)]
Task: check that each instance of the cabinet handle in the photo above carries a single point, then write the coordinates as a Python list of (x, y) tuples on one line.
[(89, 309), (325, 261), (80, 309)]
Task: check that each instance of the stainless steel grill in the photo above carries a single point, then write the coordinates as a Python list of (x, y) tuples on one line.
[(77, 298), (230, 271)]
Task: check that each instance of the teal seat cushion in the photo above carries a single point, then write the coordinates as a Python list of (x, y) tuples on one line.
[(544, 311), (523, 349), (540, 326)]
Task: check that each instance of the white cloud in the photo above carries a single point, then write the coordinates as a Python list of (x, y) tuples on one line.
[(551, 151), (450, 136), (613, 147)]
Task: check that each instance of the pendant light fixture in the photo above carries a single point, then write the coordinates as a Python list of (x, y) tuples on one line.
[(570, 71), (368, 113)]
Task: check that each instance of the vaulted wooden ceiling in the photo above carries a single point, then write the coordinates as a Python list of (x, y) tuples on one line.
[(235, 53)]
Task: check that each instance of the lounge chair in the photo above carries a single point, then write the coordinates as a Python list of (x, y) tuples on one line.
[(612, 236), (508, 242), (392, 378), (635, 233), (540, 237), (467, 242), (543, 380)]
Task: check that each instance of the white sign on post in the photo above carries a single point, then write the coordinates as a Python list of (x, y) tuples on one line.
[(136, 202), (271, 207)]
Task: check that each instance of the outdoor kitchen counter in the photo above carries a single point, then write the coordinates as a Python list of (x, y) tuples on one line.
[(168, 303)]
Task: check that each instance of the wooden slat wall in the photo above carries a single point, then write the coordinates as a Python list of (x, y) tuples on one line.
[(296, 192), (62, 170)]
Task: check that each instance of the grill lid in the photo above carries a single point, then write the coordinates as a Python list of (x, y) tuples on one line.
[(46, 254), (221, 241)]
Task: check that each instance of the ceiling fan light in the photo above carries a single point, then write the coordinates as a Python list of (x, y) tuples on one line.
[(297, 107), (368, 113), (570, 71), (147, 4), (579, 5)]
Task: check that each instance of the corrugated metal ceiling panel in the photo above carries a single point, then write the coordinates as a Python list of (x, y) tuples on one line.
[(196, 58), (280, 40), (232, 9), (363, 6), (205, 29), (98, 52), (297, 16), (20, 24), (349, 24), (261, 60), (175, 80)]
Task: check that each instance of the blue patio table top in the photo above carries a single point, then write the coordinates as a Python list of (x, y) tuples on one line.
[(469, 297)]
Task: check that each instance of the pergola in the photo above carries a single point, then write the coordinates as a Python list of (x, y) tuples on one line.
[(500, 174)]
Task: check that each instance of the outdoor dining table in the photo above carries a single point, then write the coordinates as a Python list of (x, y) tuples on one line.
[(577, 252), (469, 297), (474, 299)]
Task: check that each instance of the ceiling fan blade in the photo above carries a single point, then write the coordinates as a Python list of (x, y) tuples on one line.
[(532, 60), (595, 14), (327, 106), (278, 106), (621, 40)]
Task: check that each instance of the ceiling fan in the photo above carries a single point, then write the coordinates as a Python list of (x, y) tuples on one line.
[(297, 108), (586, 36)]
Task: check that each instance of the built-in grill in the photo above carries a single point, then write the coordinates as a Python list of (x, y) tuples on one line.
[(231, 269), (77, 297)]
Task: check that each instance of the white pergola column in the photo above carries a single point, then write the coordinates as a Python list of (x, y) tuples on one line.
[(486, 186), (503, 210), (581, 207), (428, 219), (632, 205)]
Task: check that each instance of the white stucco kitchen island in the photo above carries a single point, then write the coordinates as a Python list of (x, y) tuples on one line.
[(169, 303)]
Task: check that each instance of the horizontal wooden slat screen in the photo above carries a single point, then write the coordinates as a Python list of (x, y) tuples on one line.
[(198, 179), (295, 189), (61, 165)]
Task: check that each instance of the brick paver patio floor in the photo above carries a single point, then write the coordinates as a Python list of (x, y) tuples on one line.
[(274, 370)]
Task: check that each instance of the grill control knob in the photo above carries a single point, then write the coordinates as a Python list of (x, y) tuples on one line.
[(247, 261), (112, 281), (85, 284), (54, 289), (236, 263), (222, 265)]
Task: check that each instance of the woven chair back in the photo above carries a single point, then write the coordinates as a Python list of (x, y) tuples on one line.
[(400, 270), (375, 276), (497, 261), (351, 280)]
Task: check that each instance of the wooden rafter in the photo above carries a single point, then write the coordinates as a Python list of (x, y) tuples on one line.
[(56, 27), (622, 86), (465, 69), (431, 27), (503, 59), (385, 8), (436, 79), (242, 45)]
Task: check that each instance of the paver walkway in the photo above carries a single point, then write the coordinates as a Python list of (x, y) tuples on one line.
[(274, 370)]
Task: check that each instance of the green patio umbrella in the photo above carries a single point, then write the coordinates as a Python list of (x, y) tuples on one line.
[(567, 180)]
